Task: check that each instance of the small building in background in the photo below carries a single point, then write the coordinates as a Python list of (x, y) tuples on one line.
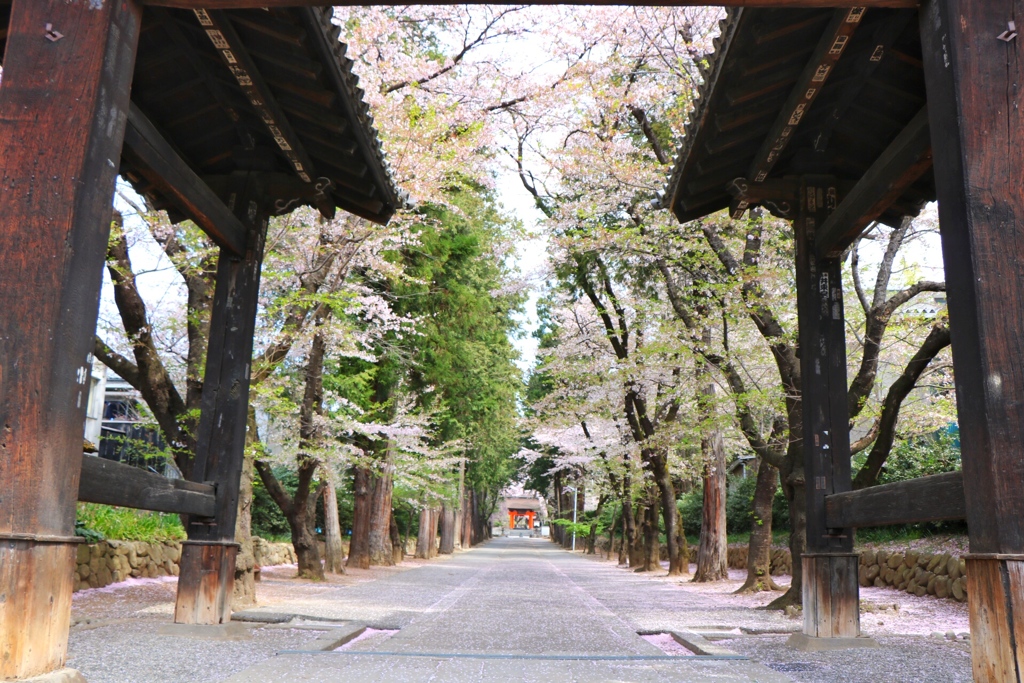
[(116, 426), (519, 513)]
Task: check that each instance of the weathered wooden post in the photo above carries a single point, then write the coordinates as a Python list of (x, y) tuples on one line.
[(973, 72), (63, 104), (830, 589), (208, 556)]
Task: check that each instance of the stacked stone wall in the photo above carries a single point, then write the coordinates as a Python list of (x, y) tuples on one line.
[(101, 564)]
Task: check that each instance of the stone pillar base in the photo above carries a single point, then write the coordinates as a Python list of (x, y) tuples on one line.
[(807, 643), (831, 595), (35, 603), (205, 582)]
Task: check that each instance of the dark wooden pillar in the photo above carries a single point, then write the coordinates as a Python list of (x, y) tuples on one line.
[(63, 105), (974, 83), (208, 556), (830, 589)]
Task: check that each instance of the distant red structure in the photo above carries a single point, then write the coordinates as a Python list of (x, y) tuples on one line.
[(521, 519)]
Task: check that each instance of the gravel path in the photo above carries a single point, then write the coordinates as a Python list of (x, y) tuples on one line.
[(510, 610)]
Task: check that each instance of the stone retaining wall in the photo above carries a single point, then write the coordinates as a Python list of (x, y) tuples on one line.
[(942, 575), (101, 564)]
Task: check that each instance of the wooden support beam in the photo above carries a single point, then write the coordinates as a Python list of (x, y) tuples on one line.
[(220, 442), (808, 86), (975, 115), (874, 54), (925, 499), (113, 483), (900, 166), (238, 61), (830, 589), (781, 197), (154, 158), (63, 107), (254, 4)]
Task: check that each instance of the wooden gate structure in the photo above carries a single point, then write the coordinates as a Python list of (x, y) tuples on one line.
[(229, 111), (833, 119)]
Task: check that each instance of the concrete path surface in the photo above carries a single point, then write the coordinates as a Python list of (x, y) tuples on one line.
[(510, 610)]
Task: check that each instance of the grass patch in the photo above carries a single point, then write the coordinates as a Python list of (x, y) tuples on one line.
[(126, 524)]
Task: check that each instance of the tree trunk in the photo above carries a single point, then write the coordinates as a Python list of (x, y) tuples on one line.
[(636, 545), (611, 534), (359, 546), (447, 529), (460, 510), (651, 546), (435, 517), (245, 562), (467, 520), (684, 545), (397, 546), (334, 562), (300, 511), (712, 554), (759, 577), (793, 486), (669, 511), (381, 552), (423, 537)]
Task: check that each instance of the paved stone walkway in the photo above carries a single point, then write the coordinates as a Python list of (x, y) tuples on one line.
[(511, 610)]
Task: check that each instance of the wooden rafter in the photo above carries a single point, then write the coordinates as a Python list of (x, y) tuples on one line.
[(881, 44), (906, 159), (808, 86), (238, 61), (154, 158)]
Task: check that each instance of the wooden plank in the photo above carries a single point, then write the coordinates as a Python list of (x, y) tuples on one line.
[(154, 158), (995, 652), (222, 35), (220, 441), (903, 162), (823, 369), (204, 583), (808, 86), (207, 600), (925, 499), (63, 106), (113, 483), (252, 4), (975, 111), (845, 591)]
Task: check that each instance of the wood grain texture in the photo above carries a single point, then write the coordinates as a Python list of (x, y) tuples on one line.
[(926, 499), (206, 598), (995, 590), (975, 110), (830, 596), (906, 159), (808, 86), (63, 107), (220, 442), (822, 369), (154, 158), (113, 483), (35, 614)]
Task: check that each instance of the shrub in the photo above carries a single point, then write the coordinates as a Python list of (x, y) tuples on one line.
[(126, 524), (922, 456)]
